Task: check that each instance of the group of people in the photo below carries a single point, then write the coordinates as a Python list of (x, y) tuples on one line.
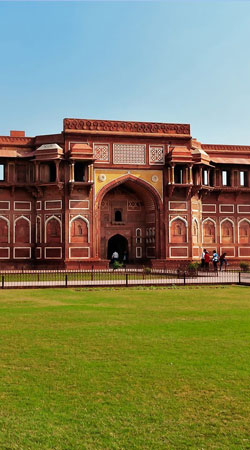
[(216, 259)]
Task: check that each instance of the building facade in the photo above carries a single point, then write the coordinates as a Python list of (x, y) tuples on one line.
[(147, 190)]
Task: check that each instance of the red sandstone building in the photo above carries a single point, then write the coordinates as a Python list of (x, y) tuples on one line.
[(150, 189)]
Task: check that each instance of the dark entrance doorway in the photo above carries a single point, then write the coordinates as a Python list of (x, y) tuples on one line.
[(119, 244)]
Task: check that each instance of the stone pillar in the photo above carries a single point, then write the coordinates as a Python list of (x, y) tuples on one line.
[(191, 174), (92, 173), (57, 171), (37, 167), (71, 171), (172, 173), (169, 175), (208, 177), (220, 177), (248, 177), (200, 176)]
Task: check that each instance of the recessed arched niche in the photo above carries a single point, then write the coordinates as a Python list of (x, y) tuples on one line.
[(227, 232), (22, 230), (4, 230), (79, 230), (244, 232), (178, 231), (208, 231), (53, 231)]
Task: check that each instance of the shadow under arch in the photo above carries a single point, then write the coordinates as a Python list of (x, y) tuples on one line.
[(117, 243)]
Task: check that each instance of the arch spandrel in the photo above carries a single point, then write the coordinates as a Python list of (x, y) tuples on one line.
[(152, 177)]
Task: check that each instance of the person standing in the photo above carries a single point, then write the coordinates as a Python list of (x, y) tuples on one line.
[(125, 257), (215, 260), (115, 256), (207, 259), (223, 261), (203, 258)]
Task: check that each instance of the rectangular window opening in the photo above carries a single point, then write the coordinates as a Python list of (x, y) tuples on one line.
[(243, 178), (178, 175), (79, 171), (205, 177), (225, 178), (1, 172)]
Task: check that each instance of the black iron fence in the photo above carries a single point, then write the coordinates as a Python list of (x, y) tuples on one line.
[(120, 277)]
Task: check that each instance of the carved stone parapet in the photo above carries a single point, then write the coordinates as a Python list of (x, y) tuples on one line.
[(125, 127), (11, 140)]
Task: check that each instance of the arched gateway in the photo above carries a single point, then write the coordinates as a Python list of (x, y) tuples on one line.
[(119, 244), (128, 213)]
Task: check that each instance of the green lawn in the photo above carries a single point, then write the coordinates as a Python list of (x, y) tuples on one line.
[(125, 369)]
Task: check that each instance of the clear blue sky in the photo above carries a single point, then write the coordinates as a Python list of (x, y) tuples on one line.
[(186, 62)]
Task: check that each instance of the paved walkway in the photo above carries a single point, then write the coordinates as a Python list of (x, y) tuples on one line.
[(210, 278)]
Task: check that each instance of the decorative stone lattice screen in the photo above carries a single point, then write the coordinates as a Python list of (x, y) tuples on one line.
[(129, 154)]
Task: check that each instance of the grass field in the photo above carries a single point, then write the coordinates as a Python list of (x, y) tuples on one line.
[(125, 369)]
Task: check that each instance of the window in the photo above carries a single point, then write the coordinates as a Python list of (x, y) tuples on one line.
[(243, 178), (79, 230), (225, 178), (118, 216), (1, 172), (205, 177), (48, 172), (178, 174), (79, 171), (52, 172), (138, 253), (138, 235)]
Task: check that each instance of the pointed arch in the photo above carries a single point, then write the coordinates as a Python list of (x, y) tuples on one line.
[(226, 233), (4, 230), (152, 202), (123, 179), (84, 235), (22, 230), (56, 237), (178, 230), (243, 231), (208, 231)]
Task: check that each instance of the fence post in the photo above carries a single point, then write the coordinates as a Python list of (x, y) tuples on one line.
[(184, 278), (127, 279), (66, 280), (239, 278), (2, 281)]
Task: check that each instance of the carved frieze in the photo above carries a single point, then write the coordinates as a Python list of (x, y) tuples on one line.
[(133, 127)]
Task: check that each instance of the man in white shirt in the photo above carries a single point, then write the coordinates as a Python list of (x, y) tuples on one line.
[(203, 258), (115, 256)]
